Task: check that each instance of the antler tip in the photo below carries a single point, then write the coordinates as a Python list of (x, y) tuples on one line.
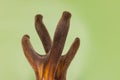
[(26, 36), (66, 14), (77, 39), (38, 17)]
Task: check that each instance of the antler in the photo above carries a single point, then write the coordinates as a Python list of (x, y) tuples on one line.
[(53, 65)]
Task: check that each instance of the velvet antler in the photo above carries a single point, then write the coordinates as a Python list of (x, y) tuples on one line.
[(53, 65)]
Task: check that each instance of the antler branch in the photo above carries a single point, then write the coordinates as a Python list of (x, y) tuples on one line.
[(43, 33)]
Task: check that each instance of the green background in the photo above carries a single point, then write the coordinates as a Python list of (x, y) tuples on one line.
[(96, 22)]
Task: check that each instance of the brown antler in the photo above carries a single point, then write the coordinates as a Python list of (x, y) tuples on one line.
[(53, 65)]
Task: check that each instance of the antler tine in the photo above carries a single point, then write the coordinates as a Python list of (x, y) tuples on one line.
[(66, 59), (58, 43), (43, 33), (71, 53), (29, 52), (60, 35)]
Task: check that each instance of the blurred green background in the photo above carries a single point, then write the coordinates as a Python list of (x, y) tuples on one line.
[(96, 22)]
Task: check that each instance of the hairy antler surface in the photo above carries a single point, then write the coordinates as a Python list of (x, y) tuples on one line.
[(53, 65)]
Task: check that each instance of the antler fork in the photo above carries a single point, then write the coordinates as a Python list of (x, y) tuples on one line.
[(53, 65)]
